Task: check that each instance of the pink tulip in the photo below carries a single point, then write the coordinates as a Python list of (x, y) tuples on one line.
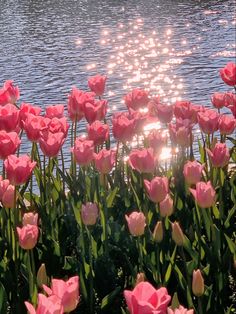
[(192, 172), (8, 198), (33, 125), (51, 143), (136, 223), (9, 118), (30, 219), (55, 111), (89, 214), (218, 100), (95, 110), (140, 120), (208, 121), (228, 74), (123, 126), (83, 151), (97, 84), (105, 160), (180, 133), (219, 155), (177, 234), (158, 232), (19, 169), (197, 283), (142, 160), (9, 93), (98, 132), (227, 124), (57, 125), (185, 110), (156, 140), (230, 102), (157, 188), (25, 109), (145, 299), (179, 310), (9, 142), (66, 291), (164, 112), (50, 305), (136, 99), (3, 186), (76, 102), (28, 236), (166, 206), (204, 194)]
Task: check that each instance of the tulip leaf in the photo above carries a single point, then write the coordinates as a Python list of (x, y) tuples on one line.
[(110, 198), (168, 274), (175, 301), (231, 244), (180, 277), (3, 299), (107, 300), (230, 215)]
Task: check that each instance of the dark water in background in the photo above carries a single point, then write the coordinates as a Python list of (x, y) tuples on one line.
[(175, 48)]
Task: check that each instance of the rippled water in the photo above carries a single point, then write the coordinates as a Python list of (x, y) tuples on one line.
[(174, 48)]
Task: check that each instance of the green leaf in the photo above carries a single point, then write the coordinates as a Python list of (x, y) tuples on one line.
[(110, 198), (231, 244), (168, 274), (110, 297), (175, 301), (3, 299)]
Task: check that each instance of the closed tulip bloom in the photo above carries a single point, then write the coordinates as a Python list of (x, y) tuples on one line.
[(164, 112), (42, 278), (30, 219), (219, 155), (66, 291), (98, 132), (9, 118), (140, 278), (8, 197), (95, 110), (28, 236), (197, 283), (57, 125), (184, 110), (146, 299), (204, 194), (76, 102), (156, 140), (83, 151), (166, 206), (180, 134), (9, 143), (123, 126), (3, 186), (142, 160), (136, 223), (227, 124), (51, 143), (50, 305), (19, 169), (33, 125), (208, 121), (55, 111), (97, 84), (26, 108), (193, 172), (105, 160), (218, 100), (177, 234), (228, 74), (89, 214), (9, 93), (157, 189), (179, 310), (158, 232), (136, 99)]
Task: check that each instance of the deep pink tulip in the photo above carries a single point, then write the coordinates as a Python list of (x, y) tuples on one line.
[(97, 84), (193, 172), (89, 214), (197, 283), (28, 236), (218, 100), (156, 140), (140, 120), (33, 125), (180, 133), (76, 102), (204, 194), (166, 206), (136, 99), (9, 142), (30, 219), (136, 223), (55, 111), (179, 310), (19, 169), (164, 112), (123, 126), (26, 108), (56, 125), (208, 121), (7, 193), (3, 186), (51, 143), (83, 151), (219, 155), (9, 93), (228, 74), (227, 124), (145, 299), (157, 189), (98, 132), (46, 305), (230, 102), (9, 118), (185, 110), (95, 110), (142, 160), (105, 160), (66, 291)]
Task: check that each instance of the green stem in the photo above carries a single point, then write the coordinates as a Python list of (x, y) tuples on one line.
[(91, 301), (157, 255), (140, 250), (199, 305), (221, 203), (63, 170)]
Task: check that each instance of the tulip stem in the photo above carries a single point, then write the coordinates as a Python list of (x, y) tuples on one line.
[(198, 223), (140, 249), (91, 270), (221, 203), (159, 279), (63, 170), (199, 299)]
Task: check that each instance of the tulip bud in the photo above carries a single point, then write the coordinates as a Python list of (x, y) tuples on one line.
[(197, 283), (177, 234), (89, 213), (140, 277), (166, 206), (136, 223), (42, 278), (158, 232)]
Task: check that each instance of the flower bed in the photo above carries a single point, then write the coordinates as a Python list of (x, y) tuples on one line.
[(123, 230)]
